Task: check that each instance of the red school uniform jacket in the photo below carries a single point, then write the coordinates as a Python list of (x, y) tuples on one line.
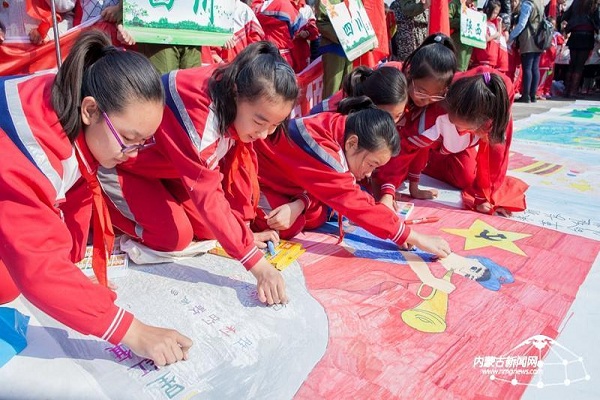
[(189, 147), (490, 182), (412, 158), (246, 30), (312, 161), (549, 55), (280, 22), (307, 23), (45, 210), (489, 55)]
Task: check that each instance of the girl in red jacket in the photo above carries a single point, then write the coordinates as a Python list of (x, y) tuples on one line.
[(280, 21), (317, 167), (385, 86), (307, 32), (246, 30), (489, 55), (429, 70), (175, 191), (101, 108), (470, 136)]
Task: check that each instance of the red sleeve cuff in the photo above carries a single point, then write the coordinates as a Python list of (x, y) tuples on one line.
[(119, 326), (479, 200), (388, 188), (251, 258), (414, 177), (402, 234), (305, 200)]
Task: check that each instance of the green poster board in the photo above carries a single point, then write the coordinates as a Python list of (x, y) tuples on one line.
[(186, 22), (352, 27), (473, 28)]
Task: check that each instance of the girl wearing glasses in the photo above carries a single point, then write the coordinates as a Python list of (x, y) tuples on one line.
[(318, 165), (469, 135), (200, 180), (478, 105), (55, 130), (429, 70)]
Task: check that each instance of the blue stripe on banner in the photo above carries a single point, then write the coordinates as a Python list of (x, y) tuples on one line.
[(6, 122)]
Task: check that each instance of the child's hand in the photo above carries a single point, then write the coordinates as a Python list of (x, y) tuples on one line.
[(35, 37), (124, 36), (417, 193), (302, 34), (163, 346), (113, 14), (230, 44), (217, 59), (484, 208), (269, 283), (284, 216), (431, 244), (261, 238), (389, 201), (503, 212)]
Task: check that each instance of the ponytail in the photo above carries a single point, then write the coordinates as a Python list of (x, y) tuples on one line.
[(434, 58), (385, 85), (352, 104), (353, 82), (374, 128), (113, 77), (481, 99), (257, 71)]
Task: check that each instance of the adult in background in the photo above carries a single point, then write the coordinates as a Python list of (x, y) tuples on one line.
[(463, 51), (412, 21), (532, 12), (582, 21)]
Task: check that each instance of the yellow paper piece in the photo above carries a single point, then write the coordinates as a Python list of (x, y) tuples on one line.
[(285, 254)]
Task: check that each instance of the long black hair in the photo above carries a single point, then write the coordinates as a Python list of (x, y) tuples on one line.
[(113, 77), (490, 6), (374, 127), (434, 58), (257, 71), (480, 99), (384, 85)]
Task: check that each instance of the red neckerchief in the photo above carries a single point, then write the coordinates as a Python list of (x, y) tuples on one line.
[(103, 235), (242, 159)]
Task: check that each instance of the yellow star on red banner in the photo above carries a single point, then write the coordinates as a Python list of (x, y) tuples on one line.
[(480, 235)]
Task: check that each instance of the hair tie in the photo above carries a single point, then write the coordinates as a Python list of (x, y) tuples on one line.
[(438, 39), (109, 49), (283, 66), (486, 78)]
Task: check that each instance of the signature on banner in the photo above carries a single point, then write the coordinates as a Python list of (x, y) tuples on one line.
[(588, 227)]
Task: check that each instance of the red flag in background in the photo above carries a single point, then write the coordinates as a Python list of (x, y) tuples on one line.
[(439, 20), (27, 58), (552, 9)]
